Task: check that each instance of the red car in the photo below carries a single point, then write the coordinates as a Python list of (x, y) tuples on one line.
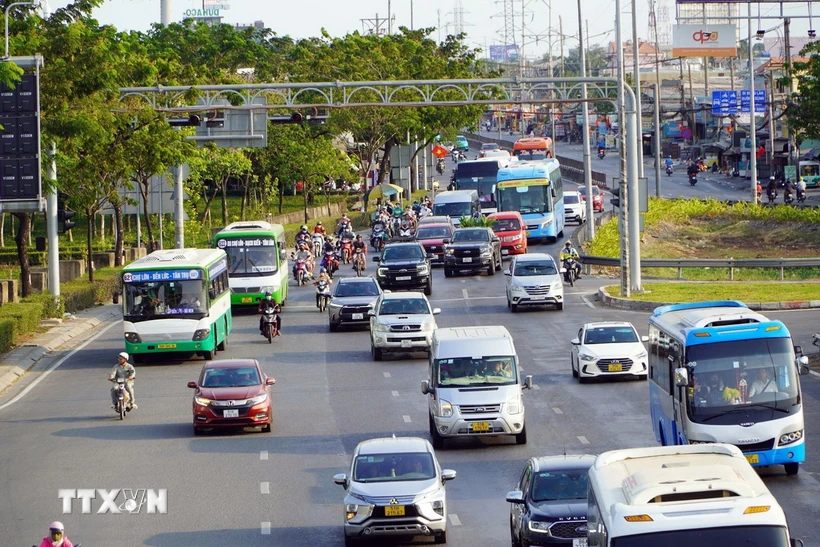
[(511, 228), (232, 393), (433, 237), (597, 198)]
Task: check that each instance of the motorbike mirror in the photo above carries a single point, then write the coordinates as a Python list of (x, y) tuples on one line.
[(270, 381), (283, 254), (563, 270), (436, 311), (192, 385)]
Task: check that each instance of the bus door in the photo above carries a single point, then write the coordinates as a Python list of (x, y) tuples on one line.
[(677, 433)]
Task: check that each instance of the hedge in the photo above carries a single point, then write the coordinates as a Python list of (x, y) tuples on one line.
[(52, 307), (24, 316), (7, 336), (80, 294)]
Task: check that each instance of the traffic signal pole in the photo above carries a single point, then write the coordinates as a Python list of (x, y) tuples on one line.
[(51, 224)]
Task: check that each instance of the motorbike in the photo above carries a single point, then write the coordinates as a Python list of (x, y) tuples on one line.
[(788, 198), (407, 233), (330, 262), (346, 250), (377, 237), (302, 238), (771, 193), (669, 170), (318, 241), (322, 294), (693, 179), (759, 192), (440, 166), (123, 404), (358, 262), (801, 196), (601, 154), (269, 322), (300, 273), (571, 271)]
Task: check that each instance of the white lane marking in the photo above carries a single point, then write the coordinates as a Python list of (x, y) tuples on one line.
[(557, 410), (395, 393), (454, 520), (536, 386), (583, 439), (471, 298), (587, 302), (810, 372), (265, 528), (406, 419), (264, 487), (263, 455), (56, 365), (386, 374), (464, 294)]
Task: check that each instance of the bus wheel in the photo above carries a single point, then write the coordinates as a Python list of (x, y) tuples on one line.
[(224, 343), (792, 468), (208, 355)]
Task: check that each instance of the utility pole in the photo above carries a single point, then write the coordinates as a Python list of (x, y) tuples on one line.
[(636, 63), (51, 224), (389, 17), (788, 52), (585, 111), (752, 124), (692, 107), (657, 138), (624, 203), (179, 212)]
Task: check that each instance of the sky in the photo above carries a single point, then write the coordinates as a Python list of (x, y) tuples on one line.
[(483, 20)]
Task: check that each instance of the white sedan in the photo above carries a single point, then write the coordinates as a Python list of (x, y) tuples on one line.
[(401, 321), (607, 349), (534, 279), (575, 209)]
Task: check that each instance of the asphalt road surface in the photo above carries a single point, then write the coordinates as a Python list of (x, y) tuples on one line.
[(245, 488)]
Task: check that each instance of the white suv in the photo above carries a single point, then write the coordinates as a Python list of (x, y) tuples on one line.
[(575, 209), (534, 279), (610, 348), (401, 321)]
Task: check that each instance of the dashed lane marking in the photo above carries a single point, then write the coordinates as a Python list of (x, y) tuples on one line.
[(264, 487), (583, 439), (265, 528), (464, 294), (454, 520), (395, 393), (263, 455), (386, 374), (536, 386), (406, 419), (557, 410), (587, 302)]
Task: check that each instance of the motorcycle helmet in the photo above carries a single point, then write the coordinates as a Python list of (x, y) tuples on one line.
[(268, 296), (122, 355), (319, 223), (56, 531), (303, 228), (568, 244), (323, 270)]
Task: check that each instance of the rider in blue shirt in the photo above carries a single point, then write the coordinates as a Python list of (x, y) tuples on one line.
[(669, 161)]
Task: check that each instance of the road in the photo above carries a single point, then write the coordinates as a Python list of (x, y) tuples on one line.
[(249, 488)]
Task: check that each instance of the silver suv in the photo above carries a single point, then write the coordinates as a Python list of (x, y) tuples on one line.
[(401, 322), (395, 487)]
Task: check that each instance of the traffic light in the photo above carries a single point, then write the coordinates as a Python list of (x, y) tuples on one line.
[(296, 117), (64, 218), (192, 120), (616, 202)]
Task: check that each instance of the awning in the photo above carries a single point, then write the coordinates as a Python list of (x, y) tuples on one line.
[(384, 190)]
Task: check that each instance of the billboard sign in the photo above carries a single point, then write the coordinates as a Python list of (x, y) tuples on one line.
[(508, 52), (704, 40)]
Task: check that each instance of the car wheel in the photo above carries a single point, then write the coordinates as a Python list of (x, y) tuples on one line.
[(491, 267), (332, 327), (509, 304), (561, 233), (513, 308), (441, 538), (197, 430), (266, 428), (376, 353), (582, 379), (643, 377), (792, 468), (572, 366), (515, 541), (448, 272), (428, 289), (350, 541), (438, 440), (521, 438), (559, 306)]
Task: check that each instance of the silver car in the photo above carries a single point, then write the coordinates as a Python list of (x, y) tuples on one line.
[(401, 322), (395, 487), (353, 298)]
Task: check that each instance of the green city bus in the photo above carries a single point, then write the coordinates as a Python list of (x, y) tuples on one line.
[(257, 261), (177, 300)]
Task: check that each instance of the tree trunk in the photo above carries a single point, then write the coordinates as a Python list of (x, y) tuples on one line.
[(244, 198), (305, 194), (281, 195), (224, 189), (22, 252), (207, 212), (388, 146), (118, 242), (2, 229), (145, 186), (89, 220)]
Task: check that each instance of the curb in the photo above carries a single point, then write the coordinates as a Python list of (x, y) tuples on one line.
[(15, 363), (647, 306)]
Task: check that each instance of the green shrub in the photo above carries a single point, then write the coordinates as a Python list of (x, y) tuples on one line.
[(7, 335), (80, 294), (472, 222), (52, 307), (26, 316)]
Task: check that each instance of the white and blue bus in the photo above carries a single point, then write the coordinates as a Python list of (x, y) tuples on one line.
[(720, 372), (535, 189)]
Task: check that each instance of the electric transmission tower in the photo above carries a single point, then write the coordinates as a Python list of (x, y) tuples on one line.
[(458, 23), (664, 25)]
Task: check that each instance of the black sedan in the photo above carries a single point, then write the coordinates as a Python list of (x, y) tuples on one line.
[(549, 504)]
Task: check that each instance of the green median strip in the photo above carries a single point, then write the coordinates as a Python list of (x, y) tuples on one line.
[(745, 292)]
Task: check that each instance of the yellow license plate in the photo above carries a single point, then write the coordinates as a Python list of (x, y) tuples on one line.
[(528, 233), (481, 426), (753, 458), (166, 346), (615, 368), (247, 300), (394, 511)]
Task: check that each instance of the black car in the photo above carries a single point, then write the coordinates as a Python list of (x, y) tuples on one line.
[(472, 249), (549, 505), (404, 266)]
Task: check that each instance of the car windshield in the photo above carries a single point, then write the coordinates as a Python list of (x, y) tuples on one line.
[(570, 198), (454, 209), (506, 225), (476, 371), (404, 306), (434, 232), (164, 300), (489, 146), (356, 289), (404, 252), (559, 485), (583, 191), (610, 335), (409, 466), (532, 267), (460, 236), (230, 377)]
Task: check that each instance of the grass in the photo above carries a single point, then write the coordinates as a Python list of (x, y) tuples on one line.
[(745, 292)]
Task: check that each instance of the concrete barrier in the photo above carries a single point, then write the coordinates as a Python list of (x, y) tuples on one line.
[(13, 294), (102, 260), (4, 291), (71, 270), (39, 280)]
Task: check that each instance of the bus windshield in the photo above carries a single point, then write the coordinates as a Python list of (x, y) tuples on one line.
[(164, 300), (730, 536), (480, 371), (742, 376), (531, 155), (525, 199), (250, 257)]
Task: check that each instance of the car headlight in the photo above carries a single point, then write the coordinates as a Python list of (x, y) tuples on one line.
[(485, 251), (586, 357), (539, 526), (202, 401), (556, 287), (445, 409), (259, 399), (423, 269), (335, 306), (350, 510), (381, 327), (428, 326), (514, 405), (382, 272), (789, 438), (438, 507), (641, 355), (133, 337), (201, 334), (516, 287), (449, 251)]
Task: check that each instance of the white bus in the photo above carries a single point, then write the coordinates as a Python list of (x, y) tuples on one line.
[(681, 496)]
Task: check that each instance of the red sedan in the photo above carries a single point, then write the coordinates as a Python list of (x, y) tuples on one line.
[(232, 393), (597, 198)]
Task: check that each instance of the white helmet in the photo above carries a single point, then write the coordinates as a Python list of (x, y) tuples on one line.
[(123, 355)]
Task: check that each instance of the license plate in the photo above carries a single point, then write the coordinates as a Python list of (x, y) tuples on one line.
[(247, 300), (528, 233), (233, 413), (505, 251), (539, 297), (403, 278), (580, 542), (394, 510), (467, 259), (166, 346), (753, 458), (358, 316), (481, 426), (406, 344), (616, 368)]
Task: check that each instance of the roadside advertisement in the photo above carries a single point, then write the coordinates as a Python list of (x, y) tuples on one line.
[(704, 40)]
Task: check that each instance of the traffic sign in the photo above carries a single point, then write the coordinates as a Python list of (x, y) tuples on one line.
[(760, 100), (724, 102)]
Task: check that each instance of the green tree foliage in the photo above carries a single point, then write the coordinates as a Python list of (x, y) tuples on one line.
[(596, 59), (212, 172), (805, 119)]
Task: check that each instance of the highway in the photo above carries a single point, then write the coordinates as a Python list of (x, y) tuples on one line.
[(247, 488)]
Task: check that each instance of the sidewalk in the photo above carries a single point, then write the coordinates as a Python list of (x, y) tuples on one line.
[(15, 363)]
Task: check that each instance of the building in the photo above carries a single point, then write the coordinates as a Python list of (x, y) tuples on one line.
[(646, 57)]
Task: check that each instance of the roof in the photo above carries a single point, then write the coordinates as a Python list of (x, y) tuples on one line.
[(248, 225), (550, 463), (403, 244), (393, 445), (455, 342), (601, 324), (231, 363), (506, 214), (177, 258), (529, 169), (529, 257), (366, 279), (403, 295), (436, 225)]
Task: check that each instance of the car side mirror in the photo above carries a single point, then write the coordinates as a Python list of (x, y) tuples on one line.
[(528, 382), (516, 496), (270, 381), (447, 475), (794, 542), (445, 241), (340, 479), (430, 256), (425, 387), (681, 377), (376, 259), (644, 339), (436, 311), (803, 365), (496, 239), (575, 342), (371, 313), (507, 272), (192, 385)]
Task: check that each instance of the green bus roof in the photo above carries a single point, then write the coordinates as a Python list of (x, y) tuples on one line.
[(250, 228), (175, 259)]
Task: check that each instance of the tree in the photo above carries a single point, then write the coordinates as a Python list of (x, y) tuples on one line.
[(596, 60), (805, 117), (217, 166)]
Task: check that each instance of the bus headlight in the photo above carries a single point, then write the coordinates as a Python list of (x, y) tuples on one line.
[(547, 224), (269, 289), (133, 337), (790, 438), (201, 334)]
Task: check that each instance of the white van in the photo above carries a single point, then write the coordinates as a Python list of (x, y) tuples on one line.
[(475, 384), (456, 204)]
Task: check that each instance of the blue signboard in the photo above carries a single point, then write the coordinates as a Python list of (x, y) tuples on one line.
[(724, 103), (161, 275), (760, 100)]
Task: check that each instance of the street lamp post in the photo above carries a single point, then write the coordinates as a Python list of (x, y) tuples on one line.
[(34, 3)]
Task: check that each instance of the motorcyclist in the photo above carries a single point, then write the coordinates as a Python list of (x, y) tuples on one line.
[(123, 370), (801, 187), (789, 188), (601, 147), (302, 235), (569, 252), (323, 276), (416, 207), (669, 162), (264, 306), (343, 225), (360, 244), (692, 170), (329, 246), (56, 536), (319, 229), (771, 189), (304, 254)]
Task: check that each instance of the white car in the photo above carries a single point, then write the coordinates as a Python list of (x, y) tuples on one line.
[(575, 209), (401, 321), (610, 348), (534, 280)]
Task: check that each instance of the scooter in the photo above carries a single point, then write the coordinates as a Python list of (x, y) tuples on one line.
[(669, 170), (788, 198), (346, 250), (322, 294), (269, 322), (123, 404), (693, 179), (302, 238), (440, 166), (571, 272), (330, 262), (300, 272), (772, 195), (801, 196), (358, 262), (318, 241), (601, 154), (377, 237)]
